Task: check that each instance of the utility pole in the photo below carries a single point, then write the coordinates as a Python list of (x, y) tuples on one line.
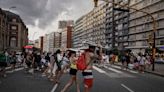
[(113, 25)]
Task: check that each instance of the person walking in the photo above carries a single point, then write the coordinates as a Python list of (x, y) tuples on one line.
[(113, 59), (58, 60), (13, 60), (90, 57), (65, 62), (52, 63), (123, 61), (47, 64), (3, 65), (142, 63), (29, 62), (127, 60), (73, 72)]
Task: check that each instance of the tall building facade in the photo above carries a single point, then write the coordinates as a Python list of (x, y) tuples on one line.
[(124, 29), (78, 33), (91, 27), (18, 32), (66, 37), (13, 31), (57, 40), (4, 34), (117, 23), (41, 39), (48, 42), (141, 25), (99, 26), (52, 41)]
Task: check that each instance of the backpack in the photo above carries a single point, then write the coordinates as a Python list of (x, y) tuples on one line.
[(81, 63)]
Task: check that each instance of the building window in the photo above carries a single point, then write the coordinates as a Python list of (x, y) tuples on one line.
[(162, 42), (14, 20), (144, 43), (13, 42), (161, 33), (132, 44), (13, 27)]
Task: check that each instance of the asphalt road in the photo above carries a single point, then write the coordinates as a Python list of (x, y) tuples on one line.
[(107, 79)]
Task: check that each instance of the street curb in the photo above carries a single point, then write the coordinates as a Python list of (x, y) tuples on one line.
[(161, 75)]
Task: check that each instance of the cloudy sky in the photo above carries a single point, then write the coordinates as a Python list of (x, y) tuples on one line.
[(42, 16)]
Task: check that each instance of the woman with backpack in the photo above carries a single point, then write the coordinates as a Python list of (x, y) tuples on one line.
[(73, 72)]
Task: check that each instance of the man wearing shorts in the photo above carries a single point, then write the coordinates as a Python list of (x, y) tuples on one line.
[(90, 57)]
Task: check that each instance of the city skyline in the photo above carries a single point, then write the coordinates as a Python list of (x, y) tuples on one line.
[(42, 17)]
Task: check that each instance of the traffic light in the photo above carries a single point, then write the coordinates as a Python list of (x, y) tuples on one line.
[(150, 40), (95, 3)]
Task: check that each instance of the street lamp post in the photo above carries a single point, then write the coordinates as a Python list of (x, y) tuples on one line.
[(149, 14)]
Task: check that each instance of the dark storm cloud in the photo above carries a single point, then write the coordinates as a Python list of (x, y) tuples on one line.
[(45, 11)]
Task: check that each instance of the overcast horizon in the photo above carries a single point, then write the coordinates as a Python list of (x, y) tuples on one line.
[(42, 16)]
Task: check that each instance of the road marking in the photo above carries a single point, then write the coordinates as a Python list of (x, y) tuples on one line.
[(98, 69), (130, 90), (18, 69), (54, 88), (116, 67), (114, 70), (7, 68), (15, 70)]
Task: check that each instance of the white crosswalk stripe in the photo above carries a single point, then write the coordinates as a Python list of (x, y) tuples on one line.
[(114, 72), (18, 69), (119, 67)]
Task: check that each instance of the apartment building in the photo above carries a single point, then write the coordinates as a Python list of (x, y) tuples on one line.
[(141, 25), (41, 43), (13, 31), (91, 27), (122, 29), (117, 23), (66, 37), (57, 39), (99, 25), (4, 34), (46, 43), (78, 33)]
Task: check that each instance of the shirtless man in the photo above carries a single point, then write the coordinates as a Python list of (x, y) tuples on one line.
[(87, 73)]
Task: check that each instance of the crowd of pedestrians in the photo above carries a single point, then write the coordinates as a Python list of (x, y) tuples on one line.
[(128, 60), (55, 65), (9, 59)]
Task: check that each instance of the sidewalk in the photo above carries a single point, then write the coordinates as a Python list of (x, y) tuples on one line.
[(159, 69)]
